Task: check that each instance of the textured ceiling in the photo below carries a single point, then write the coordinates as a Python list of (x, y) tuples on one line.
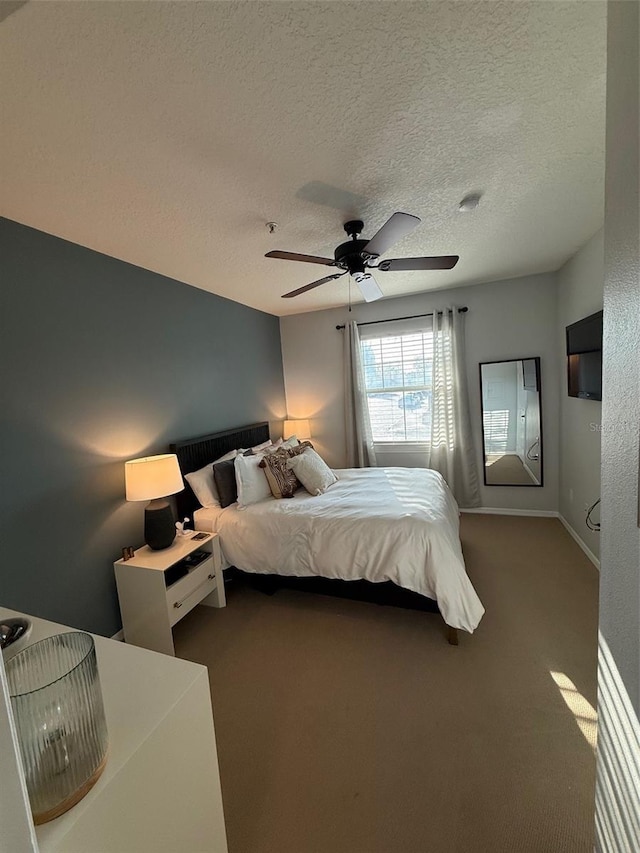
[(168, 134)]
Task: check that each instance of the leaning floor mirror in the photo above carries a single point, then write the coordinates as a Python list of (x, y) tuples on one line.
[(510, 393)]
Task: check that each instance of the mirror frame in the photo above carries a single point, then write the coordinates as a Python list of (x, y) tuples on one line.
[(536, 359)]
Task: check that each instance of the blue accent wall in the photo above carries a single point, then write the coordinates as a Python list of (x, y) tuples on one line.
[(101, 362)]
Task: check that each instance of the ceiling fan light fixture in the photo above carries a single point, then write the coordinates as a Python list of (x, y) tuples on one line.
[(469, 202), (368, 286)]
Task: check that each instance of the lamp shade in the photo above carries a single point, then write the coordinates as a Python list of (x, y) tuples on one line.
[(299, 428), (152, 477)]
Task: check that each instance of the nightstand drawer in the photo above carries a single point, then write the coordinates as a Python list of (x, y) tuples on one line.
[(190, 590)]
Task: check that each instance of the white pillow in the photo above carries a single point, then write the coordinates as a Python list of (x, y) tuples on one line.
[(312, 471), (290, 442), (252, 484), (202, 483), (262, 449)]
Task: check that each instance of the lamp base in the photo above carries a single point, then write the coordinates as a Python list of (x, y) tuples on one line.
[(159, 524)]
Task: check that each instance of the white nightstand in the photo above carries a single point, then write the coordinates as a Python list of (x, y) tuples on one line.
[(151, 601)]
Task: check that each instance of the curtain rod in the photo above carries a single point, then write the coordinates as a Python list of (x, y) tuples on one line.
[(412, 317)]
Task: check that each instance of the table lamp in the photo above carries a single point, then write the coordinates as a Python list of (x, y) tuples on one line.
[(300, 428), (153, 478)]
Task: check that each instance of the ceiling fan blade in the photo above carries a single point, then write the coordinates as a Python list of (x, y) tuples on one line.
[(443, 262), (369, 287), (309, 259), (395, 228), (312, 285)]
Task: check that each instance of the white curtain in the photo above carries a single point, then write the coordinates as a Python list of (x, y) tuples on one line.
[(360, 451), (451, 450)]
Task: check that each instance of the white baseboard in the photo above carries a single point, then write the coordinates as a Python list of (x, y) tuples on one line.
[(491, 510), (119, 636), (580, 541)]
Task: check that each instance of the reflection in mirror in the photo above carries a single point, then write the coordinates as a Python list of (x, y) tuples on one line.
[(511, 422)]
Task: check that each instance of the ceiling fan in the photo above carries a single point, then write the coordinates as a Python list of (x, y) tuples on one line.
[(357, 257)]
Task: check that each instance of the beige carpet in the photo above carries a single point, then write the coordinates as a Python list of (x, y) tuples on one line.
[(507, 470), (350, 728)]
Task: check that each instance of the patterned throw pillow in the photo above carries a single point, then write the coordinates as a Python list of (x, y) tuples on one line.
[(282, 481), (312, 471), (299, 448)]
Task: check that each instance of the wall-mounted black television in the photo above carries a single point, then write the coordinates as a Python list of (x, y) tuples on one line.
[(584, 357)]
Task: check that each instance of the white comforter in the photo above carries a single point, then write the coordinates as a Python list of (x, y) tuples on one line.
[(397, 524)]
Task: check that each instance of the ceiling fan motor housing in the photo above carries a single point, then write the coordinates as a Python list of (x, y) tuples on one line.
[(349, 256)]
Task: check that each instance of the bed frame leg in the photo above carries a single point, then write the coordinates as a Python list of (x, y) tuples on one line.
[(452, 635)]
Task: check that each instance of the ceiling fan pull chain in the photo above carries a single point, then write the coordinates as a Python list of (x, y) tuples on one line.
[(349, 294)]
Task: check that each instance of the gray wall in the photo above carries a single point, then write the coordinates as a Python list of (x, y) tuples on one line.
[(506, 320), (618, 786), (620, 580), (580, 286), (102, 362)]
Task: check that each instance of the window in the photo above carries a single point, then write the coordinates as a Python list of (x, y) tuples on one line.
[(398, 370)]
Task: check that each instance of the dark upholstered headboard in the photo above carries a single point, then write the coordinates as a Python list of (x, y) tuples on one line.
[(195, 453)]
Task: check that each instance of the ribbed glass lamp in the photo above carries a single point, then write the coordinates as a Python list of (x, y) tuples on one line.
[(300, 428), (153, 478), (60, 722)]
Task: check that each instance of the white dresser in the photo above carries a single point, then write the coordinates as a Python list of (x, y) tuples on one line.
[(160, 790)]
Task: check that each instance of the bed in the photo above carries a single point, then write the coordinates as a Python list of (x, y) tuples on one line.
[(388, 535)]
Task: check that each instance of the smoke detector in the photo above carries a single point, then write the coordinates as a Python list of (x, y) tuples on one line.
[(469, 202)]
